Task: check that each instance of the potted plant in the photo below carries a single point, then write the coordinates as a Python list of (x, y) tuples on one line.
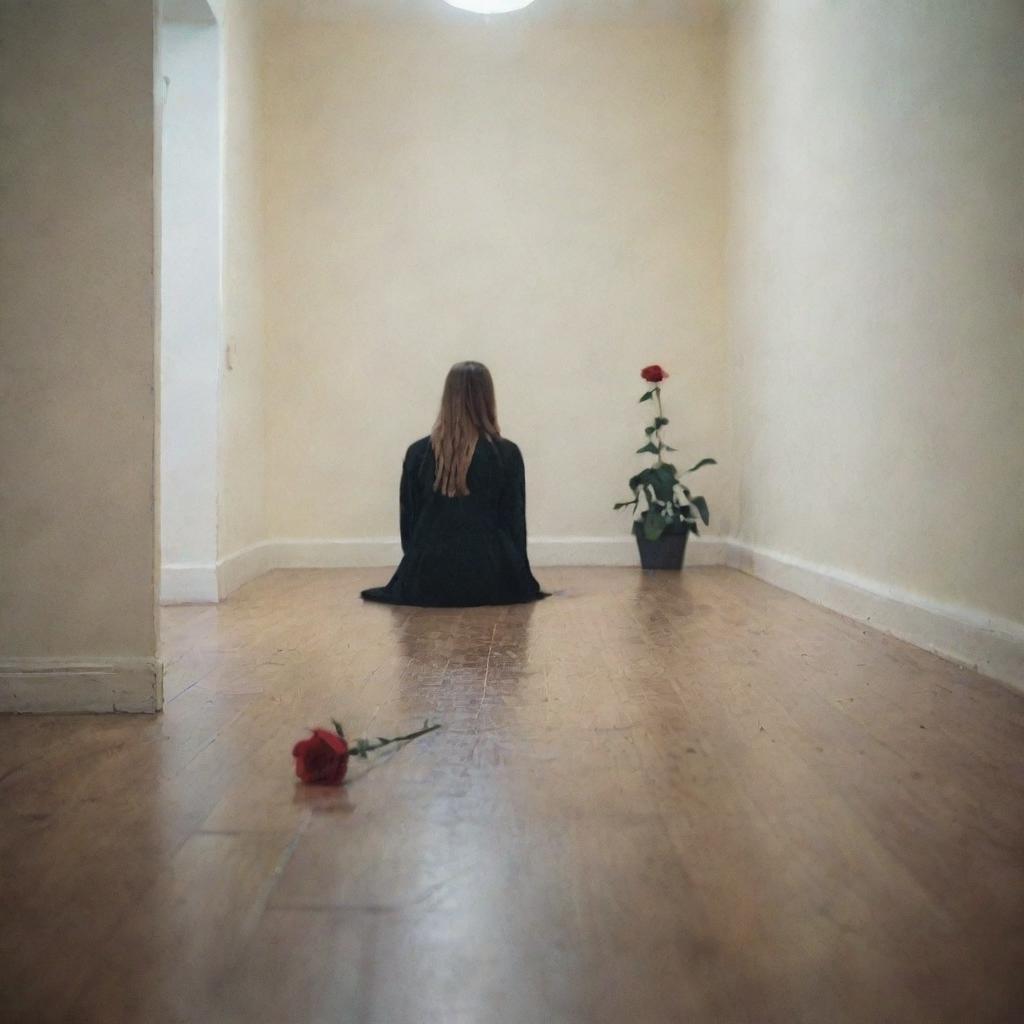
[(665, 512)]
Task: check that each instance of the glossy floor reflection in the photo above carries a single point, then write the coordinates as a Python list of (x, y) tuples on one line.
[(656, 798)]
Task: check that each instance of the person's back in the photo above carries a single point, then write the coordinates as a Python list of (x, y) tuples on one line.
[(463, 507)]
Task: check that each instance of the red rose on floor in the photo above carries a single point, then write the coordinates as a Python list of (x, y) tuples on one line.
[(655, 374), (323, 758)]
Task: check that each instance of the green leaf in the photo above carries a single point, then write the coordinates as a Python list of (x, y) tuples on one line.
[(703, 462), (669, 448), (663, 481), (624, 504), (648, 431), (648, 396), (654, 525), (660, 421), (702, 507), (337, 727), (647, 448)]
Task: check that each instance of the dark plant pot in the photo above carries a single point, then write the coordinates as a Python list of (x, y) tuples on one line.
[(666, 552)]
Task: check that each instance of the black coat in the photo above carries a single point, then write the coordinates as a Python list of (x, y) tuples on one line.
[(460, 552)]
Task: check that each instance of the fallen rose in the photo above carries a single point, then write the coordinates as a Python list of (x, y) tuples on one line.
[(323, 758), (654, 373)]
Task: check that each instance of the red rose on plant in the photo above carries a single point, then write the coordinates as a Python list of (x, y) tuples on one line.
[(323, 758), (654, 373)]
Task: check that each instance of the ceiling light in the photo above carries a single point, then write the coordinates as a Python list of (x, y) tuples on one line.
[(489, 6)]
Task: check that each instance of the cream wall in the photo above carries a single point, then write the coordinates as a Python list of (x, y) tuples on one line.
[(541, 192), (77, 357), (241, 456), (876, 258)]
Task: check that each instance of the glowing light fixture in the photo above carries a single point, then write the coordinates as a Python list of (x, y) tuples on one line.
[(489, 6)]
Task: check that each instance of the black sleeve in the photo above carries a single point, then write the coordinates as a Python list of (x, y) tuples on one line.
[(513, 501), (408, 510)]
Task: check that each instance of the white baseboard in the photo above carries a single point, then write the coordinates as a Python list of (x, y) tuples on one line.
[(384, 552), (73, 686), (342, 553), (618, 550), (243, 566), (201, 584), (188, 584), (986, 643), (208, 584)]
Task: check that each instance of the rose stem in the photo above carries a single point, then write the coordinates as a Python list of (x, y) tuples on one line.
[(401, 739), (661, 416)]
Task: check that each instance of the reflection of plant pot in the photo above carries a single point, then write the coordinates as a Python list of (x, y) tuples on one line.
[(664, 553)]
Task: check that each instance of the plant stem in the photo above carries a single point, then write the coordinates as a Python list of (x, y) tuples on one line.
[(657, 429)]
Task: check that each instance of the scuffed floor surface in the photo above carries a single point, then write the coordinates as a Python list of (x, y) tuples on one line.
[(656, 798)]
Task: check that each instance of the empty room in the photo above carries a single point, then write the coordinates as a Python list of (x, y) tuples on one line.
[(512, 511)]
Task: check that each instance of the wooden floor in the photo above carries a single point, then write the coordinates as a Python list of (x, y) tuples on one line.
[(655, 799)]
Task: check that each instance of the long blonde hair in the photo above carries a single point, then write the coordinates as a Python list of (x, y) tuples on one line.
[(467, 413)]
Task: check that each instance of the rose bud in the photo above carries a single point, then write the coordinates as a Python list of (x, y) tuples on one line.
[(323, 758), (654, 373)]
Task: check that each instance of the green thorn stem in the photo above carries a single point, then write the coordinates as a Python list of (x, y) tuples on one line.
[(661, 416), (384, 742)]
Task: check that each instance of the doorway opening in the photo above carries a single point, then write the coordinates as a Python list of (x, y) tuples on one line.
[(190, 298)]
